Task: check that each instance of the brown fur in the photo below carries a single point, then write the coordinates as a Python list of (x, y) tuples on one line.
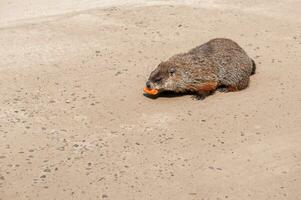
[(207, 87), (218, 63)]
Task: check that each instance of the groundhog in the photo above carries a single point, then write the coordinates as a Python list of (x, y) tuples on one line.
[(218, 64)]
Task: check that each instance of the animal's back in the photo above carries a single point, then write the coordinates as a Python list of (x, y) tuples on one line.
[(231, 63)]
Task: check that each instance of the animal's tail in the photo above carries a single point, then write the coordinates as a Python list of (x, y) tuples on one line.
[(253, 67)]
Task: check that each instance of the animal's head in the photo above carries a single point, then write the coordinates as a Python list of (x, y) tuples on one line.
[(166, 77)]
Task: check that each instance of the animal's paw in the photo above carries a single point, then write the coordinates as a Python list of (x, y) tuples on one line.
[(227, 89), (222, 89), (198, 97)]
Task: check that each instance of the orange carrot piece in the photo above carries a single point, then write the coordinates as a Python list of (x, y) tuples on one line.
[(150, 91)]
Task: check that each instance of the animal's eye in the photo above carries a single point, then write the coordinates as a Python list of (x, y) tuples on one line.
[(172, 71)]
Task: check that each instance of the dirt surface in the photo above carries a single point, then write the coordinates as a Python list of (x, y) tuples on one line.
[(74, 123)]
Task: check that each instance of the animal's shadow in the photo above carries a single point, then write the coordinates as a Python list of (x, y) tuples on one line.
[(194, 96), (170, 94)]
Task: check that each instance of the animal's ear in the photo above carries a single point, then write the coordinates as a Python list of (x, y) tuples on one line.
[(172, 71)]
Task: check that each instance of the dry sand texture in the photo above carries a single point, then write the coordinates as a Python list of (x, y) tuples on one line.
[(75, 125)]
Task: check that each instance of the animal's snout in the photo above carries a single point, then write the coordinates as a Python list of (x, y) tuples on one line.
[(148, 84)]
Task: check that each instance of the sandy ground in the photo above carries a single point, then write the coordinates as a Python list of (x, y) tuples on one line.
[(74, 123)]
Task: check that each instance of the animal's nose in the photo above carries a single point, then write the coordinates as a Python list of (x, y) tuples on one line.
[(148, 84)]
